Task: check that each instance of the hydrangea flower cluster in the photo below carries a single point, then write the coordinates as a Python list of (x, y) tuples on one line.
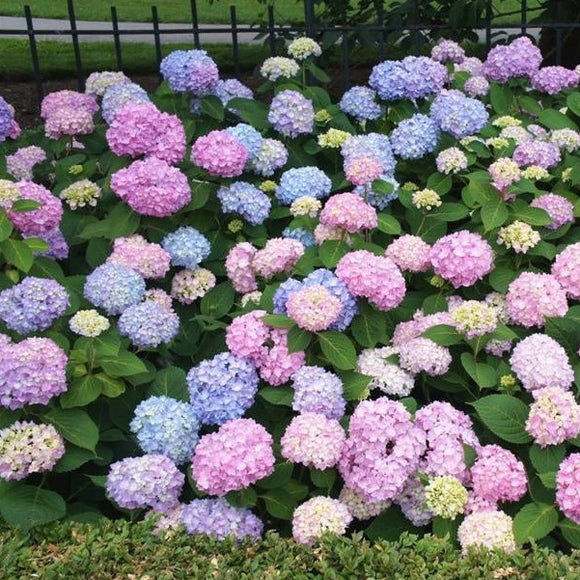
[(120, 94), (88, 323), (410, 253), (565, 270), (98, 82), (166, 427), (473, 318), (291, 114), (26, 448), (457, 114), (279, 67), (135, 252), (445, 497), (553, 79), (318, 391), (81, 193), (272, 156), (387, 376), (415, 137), (518, 236), (451, 160), (304, 47), (21, 163), (488, 529), (41, 220), (246, 200), (518, 59), (187, 247), (360, 102), (222, 388), (300, 182), (190, 71), (68, 113), (567, 487), (220, 153), (189, 285), (349, 212), (560, 210), (148, 324), (234, 457), (318, 516)]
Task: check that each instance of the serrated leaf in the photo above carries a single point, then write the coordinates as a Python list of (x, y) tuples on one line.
[(73, 459), (81, 392), (298, 339), (278, 321), (75, 426), (368, 327), (28, 506), (571, 532), (483, 374), (280, 477), (449, 212), (494, 213), (338, 349), (124, 364), (547, 459), (355, 385), (170, 382), (218, 301), (213, 107), (534, 521), (388, 224), (17, 253), (505, 416), (331, 251), (279, 504), (277, 395), (323, 478), (443, 335)]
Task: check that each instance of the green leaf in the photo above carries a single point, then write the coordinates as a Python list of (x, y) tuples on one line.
[(501, 277), (280, 477), (449, 212), (6, 226), (253, 112), (81, 392), (533, 216), (323, 478), (434, 303), (213, 107), (331, 251), (244, 498), (534, 521), (111, 387), (24, 205), (124, 364), (279, 504), (502, 98), (75, 426), (553, 119), (355, 385), (368, 327), (389, 525), (338, 349), (469, 454), (298, 339), (445, 528), (483, 375), (505, 416), (17, 253), (36, 244), (73, 459), (547, 459), (170, 382), (277, 395), (571, 532), (548, 479), (440, 183), (443, 335), (278, 321), (573, 102), (28, 506), (494, 213), (388, 224), (218, 301)]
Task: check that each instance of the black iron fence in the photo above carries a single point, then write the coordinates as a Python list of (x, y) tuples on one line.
[(342, 31)]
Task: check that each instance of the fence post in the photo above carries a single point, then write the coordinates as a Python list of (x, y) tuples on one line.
[(34, 55), (235, 47), (559, 16), (76, 46), (345, 53), (415, 30), (309, 17), (271, 31), (524, 16), (381, 31), (488, 21), (117, 38), (157, 40), (195, 24)]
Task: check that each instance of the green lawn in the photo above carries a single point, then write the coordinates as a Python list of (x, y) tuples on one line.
[(213, 11)]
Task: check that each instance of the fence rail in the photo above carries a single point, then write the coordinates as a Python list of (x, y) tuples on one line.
[(270, 31)]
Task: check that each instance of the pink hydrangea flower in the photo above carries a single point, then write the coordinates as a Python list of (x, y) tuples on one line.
[(152, 187), (533, 297), (313, 440), (560, 210), (239, 267), (219, 153), (567, 484), (322, 233), (405, 331), (363, 170), (554, 417), (462, 258), (135, 252), (374, 277), (313, 308), (68, 113), (236, 456), (540, 362), (39, 221), (318, 516), (348, 211), (423, 355), (277, 256), (497, 475), (410, 253), (566, 270)]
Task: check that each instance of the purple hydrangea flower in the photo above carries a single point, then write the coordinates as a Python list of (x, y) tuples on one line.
[(246, 200), (149, 324)]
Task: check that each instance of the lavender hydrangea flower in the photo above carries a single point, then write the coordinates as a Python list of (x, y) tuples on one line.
[(291, 114), (190, 71), (371, 145), (118, 95), (33, 304), (271, 156), (114, 288), (359, 102), (167, 427), (246, 200), (6, 119), (459, 115), (149, 324), (317, 390), (222, 388), (304, 236), (415, 137)]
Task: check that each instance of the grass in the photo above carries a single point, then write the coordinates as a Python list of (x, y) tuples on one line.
[(209, 11)]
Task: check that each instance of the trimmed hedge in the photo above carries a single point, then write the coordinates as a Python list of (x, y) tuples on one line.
[(119, 549)]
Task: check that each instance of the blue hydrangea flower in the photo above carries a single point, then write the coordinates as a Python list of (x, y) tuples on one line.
[(283, 292), (114, 288), (6, 118), (370, 145), (118, 95), (379, 200), (304, 236), (302, 181), (359, 102), (166, 426), (249, 137), (326, 278), (459, 115), (291, 114), (222, 388), (187, 247), (216, 517), (413, 77), (229, 89), (33, 304), (149, 324), (271, 156), (246, 200), (415, 137), (318, 391), (190, 71)]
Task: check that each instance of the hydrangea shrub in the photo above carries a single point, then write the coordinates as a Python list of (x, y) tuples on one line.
[(296, 313)]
